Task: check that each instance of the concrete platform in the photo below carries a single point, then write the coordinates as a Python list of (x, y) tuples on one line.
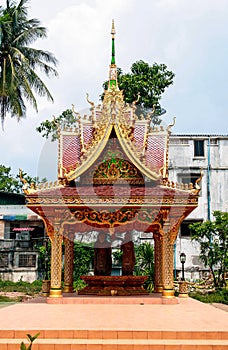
[(188, 325), (72, 298)]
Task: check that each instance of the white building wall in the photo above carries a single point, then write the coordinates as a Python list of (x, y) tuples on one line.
[(214, 185)]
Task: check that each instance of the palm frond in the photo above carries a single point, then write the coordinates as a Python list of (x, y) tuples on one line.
[(19, 61)]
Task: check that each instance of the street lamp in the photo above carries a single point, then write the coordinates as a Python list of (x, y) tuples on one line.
[(182, 260)]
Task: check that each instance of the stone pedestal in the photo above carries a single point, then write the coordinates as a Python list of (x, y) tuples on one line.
[(121, 285), (183, 289), (46, 288)]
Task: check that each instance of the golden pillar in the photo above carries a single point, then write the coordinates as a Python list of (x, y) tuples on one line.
[(158, 262), (68, 262), (168, 290), (56, 264)]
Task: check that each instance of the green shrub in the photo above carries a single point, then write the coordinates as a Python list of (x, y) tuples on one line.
[(220, 296), (5, 299), (21, 286)]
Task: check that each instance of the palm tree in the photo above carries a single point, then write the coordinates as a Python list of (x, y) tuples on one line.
[(19, 61), (145, 263)]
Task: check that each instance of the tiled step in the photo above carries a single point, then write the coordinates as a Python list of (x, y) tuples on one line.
[(114, 334), (140, 300), (117, 344), (115, 340)]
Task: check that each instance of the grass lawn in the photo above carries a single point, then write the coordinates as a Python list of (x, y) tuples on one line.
[(220, 296)]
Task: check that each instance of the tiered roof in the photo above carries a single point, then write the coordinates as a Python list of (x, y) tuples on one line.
[(113, 145)]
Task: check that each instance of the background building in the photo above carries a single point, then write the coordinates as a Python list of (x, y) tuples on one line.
[(20, 233), (188, 155)]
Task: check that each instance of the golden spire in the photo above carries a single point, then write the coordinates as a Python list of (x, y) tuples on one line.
[(113, 68), (113, 31)]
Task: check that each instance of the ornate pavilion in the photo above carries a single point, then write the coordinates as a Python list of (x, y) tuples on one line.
[(112, 177)]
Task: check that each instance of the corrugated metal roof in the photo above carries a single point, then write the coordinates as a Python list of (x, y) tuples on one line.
[(198, 135)]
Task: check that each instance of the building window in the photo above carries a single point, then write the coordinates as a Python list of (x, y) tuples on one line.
[(185, 230), (198, 148), (27, 260), (3, 260)]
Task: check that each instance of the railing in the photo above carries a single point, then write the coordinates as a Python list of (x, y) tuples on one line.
[(7, 243), (14, 243)]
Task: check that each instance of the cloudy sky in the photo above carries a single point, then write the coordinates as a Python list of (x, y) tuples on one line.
[(190, 37)]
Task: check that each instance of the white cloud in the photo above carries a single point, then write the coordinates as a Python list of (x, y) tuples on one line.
[(188, 36)]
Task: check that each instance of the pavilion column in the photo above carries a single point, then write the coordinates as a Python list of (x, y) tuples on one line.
[(158, 262), (68, 262), (56, 264), (168, 290)]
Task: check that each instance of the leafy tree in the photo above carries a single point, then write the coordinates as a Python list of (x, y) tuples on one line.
[(50, 128), (117, 256), (19, 61), (9, 183), (144, 265), (83, 259), (213, 239), (150, 82), (44, 259)]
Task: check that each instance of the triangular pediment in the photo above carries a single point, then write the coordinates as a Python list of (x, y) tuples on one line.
[(112, 166), (109, 129)]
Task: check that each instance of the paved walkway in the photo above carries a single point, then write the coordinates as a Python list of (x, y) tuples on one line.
[(188, 315)]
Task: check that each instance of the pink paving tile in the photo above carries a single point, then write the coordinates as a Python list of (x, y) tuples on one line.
[(125, 335), (212, 335), (109, 347), (184, 335), (46, 347), (223, 335), (175, 347), (81, 334), (169, 335), (154, 334), (170, 301), (3, 346), (187, 347), (199, 335), (13, 346), (94, 347), (50, 333), (125, 346), (110, 335), (62, 346), (140, 335), (78, 347), (95, 334), (141, 347), (66, 334), (7, 334), (156, 347), (22, 334), (54, 300)]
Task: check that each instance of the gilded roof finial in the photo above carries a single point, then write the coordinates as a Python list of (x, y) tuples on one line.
[(113, 68), (113, 31)]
